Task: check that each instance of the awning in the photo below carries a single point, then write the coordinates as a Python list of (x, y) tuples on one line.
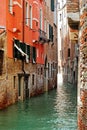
[(73, 20), (74, 16), (20, 50)]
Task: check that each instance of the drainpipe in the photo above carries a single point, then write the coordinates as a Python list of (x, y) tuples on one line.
[(23, 22), (23, 17), (23, 59)]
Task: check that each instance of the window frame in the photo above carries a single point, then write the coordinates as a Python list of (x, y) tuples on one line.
[(26, 13), (30, 16), (10, 6), (41, 19)]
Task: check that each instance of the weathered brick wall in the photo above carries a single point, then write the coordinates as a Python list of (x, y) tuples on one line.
[(10, 69), (40, 79), (50, 49), (82, 117), (82, 111), (72, 6)]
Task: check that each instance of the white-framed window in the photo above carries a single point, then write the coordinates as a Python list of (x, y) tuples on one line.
[(26, 13), (41, 19), (10, 6), (60, 17), (48, 30), (45, 25), (30, 16)]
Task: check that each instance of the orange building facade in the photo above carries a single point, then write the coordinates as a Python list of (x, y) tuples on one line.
[(24, 22), (23, 53)]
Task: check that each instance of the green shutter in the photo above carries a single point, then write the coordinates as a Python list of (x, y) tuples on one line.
[(17, 42), (50, 32), (52, 5), (16, 52), (28, 51), (34, 54), (23, 47)]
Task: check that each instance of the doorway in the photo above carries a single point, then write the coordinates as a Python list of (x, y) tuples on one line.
[(23, 86), (26, 79)]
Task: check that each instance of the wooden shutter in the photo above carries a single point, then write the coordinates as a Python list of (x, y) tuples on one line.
[(50, 32), (34, 54), (16, 52), (52, 5), (28, 51), (23, 47)]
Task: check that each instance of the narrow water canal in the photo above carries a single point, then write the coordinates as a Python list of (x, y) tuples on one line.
[(55, 110)]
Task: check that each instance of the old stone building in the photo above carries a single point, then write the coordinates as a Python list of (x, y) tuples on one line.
[(68, 21), (28, 52), (50, 48), (75, 45)]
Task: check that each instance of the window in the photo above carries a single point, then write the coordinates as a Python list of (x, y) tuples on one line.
[(40, 18), (52, 5), (50, 32), (14, 81), (68, 52), (30, 16), (19, 49), (85, 39), (16, 53), (34, 54), (10, 6), (60, 17), (28, 51), (33, 78), (51, 70), (26, 15), (41, 70)]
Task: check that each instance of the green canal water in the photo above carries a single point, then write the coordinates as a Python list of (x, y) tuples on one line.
[(55, 110)]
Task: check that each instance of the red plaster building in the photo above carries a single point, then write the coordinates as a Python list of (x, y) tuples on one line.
[(22, 49)]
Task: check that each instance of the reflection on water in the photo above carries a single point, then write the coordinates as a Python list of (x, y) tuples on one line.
[(65, 106), (55, 110)]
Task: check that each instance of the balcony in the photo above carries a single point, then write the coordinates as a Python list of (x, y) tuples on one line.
[(73, 20), (42, 36)]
